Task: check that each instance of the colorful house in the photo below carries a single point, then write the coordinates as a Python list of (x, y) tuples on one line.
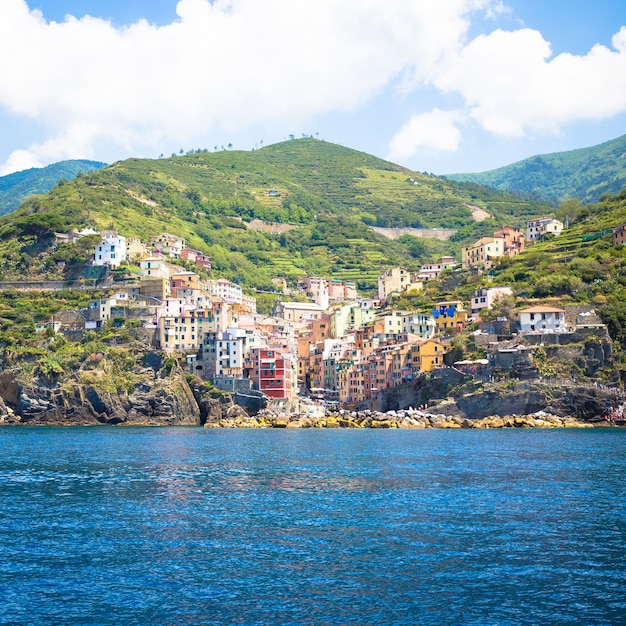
[(273, 373), (485, 297), (482, 254), (449, 316)]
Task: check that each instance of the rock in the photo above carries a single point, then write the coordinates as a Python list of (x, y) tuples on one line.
[(10, 388), (160, 401)]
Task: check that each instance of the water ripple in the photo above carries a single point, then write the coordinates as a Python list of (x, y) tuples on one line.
[(186, 526)]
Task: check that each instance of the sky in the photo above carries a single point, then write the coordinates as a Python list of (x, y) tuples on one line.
[(440, 86)]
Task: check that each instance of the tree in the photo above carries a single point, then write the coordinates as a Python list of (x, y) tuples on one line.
[(569, 210), (501, 307)]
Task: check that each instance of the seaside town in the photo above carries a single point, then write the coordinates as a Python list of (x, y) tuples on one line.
[(328, 345)]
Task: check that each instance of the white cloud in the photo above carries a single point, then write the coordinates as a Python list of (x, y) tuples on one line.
[(230, 65), (433, 131), (20, 160), (227, 64), (513, 87)]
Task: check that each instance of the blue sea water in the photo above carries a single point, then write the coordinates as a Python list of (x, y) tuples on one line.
[(191, 526)]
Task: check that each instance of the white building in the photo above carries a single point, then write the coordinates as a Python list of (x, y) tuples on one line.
[(174, 307), (154, 267), (432, 270), (486, 297), (222, 355), (111, 250), (224, 289), (537, 228), (420, 324), (296, 311), (168, 244), (542, 319)]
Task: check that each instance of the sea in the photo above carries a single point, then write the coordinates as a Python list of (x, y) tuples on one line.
[(110, 525)]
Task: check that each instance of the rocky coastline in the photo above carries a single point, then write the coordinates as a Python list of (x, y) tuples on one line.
[(404, 419), (173, 399)]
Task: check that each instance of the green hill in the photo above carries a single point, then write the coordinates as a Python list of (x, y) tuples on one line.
[(585, 174), (579, 266), (325, 197), (37, 180)]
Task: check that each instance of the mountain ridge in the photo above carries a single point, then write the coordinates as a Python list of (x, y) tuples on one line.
[(15, 187), (585, 173)]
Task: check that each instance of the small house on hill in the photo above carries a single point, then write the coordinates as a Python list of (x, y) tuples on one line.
[(542, 319)]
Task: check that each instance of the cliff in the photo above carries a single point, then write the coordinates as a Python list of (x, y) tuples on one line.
[(454, 394), (167, 397), (155, 401)]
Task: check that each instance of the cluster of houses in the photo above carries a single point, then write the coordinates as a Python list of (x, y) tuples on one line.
[(507, 241), (336, 346)]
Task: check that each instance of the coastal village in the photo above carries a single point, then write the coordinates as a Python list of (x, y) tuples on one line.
[(329, 347)]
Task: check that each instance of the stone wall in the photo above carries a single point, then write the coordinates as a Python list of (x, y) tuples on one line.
[(442, 234)]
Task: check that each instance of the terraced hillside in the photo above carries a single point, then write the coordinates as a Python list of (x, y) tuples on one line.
[(329, 194)]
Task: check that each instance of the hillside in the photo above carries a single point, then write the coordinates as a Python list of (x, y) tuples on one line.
[(585, 174), (579, 266), (325, 196), (37, 180)]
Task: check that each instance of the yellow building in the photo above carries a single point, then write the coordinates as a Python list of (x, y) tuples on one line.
[(427, 355), (185, 280), (482, 253), (184, 331), (450, 316)]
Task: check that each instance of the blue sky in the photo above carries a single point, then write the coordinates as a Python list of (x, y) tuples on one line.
[(436, 85)]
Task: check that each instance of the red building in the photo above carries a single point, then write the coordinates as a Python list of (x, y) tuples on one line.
[(272, 372)]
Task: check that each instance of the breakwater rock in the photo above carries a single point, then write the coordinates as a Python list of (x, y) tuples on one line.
[(458, 395), (410, 419)]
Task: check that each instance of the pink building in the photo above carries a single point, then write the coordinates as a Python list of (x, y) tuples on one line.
[(514, 239), (201, 260)]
